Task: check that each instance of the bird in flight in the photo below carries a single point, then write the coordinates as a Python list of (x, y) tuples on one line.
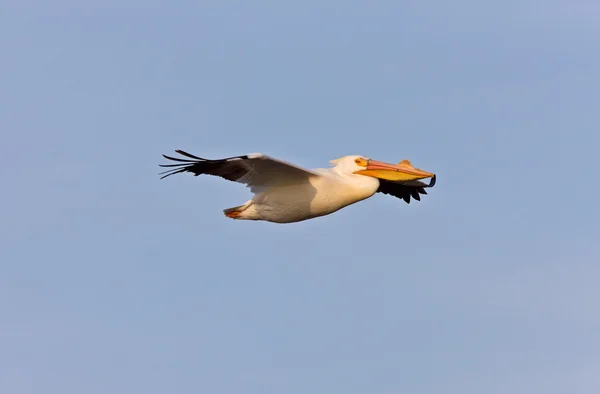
[(285, 193)]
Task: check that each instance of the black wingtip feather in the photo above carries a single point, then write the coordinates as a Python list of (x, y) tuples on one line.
[(183, 165), (178, 159), (198, 165), (188, 155)]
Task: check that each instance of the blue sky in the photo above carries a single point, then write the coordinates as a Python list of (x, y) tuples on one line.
[(112, 281)]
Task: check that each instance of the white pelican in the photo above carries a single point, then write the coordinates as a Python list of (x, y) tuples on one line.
[(285, 193)]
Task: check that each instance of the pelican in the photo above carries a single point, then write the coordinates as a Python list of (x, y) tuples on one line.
[(285, 193)]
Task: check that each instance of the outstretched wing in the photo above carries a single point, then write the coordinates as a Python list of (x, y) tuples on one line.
[(254, 169), (405, 189)]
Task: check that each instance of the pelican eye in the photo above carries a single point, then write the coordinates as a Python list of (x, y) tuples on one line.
[(361, 162)]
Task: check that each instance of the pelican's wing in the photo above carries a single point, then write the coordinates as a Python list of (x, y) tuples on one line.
[(254, 169), (405, 189)]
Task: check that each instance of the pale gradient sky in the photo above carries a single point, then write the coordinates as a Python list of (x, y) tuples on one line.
[(112, 281)]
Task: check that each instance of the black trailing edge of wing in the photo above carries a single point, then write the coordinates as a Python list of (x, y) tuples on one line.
[(406, 190)]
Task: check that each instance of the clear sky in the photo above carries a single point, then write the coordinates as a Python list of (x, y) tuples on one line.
[(113, 281)]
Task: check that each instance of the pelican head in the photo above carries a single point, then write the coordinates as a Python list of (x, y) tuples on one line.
[(361, 165)]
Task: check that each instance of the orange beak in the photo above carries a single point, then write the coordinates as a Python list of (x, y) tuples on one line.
[(403, 171)]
